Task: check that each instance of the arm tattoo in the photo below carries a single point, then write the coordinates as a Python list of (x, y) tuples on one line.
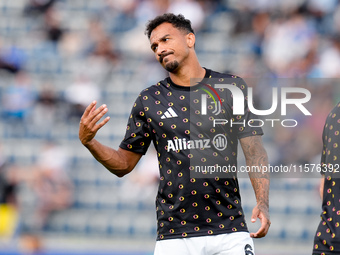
[(256, 158)]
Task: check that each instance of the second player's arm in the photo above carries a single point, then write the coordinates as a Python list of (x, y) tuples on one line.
[(322, 186), (118, 162), (256, 155)]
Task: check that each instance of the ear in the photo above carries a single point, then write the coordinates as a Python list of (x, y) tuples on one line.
[(191, 39)]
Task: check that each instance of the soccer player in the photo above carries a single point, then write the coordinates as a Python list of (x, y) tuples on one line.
[(197, 213), (327, 237)]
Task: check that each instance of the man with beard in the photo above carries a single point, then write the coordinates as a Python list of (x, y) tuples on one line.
[(196, 214)]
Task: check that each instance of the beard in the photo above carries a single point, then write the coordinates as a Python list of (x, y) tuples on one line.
[(171, 66)]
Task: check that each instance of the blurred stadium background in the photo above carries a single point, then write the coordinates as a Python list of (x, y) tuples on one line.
[(57, 56)]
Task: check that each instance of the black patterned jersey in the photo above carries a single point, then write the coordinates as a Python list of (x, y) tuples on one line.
[(327, 238), (193, 129)]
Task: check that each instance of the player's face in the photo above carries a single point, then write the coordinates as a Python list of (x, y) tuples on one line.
[(170, 46)]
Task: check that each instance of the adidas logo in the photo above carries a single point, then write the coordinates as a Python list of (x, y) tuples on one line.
[(170, 113)]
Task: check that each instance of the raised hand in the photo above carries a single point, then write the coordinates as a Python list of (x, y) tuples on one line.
[(88, 126)]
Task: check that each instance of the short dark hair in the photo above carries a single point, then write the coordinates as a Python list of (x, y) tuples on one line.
[(178, 21)]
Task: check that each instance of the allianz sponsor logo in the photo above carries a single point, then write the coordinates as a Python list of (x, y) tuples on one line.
[(219, 142)]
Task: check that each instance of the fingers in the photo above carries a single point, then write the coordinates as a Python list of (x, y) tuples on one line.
[(88, 126), (92, 115), (260, 233), (106, 120), (263, 230), (89, 108), (265, 223), (97, 114), (255, 214)]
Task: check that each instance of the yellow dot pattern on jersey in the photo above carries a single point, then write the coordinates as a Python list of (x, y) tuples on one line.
[(165, 114)]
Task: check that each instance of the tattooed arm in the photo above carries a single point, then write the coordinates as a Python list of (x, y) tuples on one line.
[(256, 155)]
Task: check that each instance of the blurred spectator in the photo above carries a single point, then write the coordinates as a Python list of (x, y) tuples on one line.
[(322, 14), (118, 15), (148, 9), (122, 6), (243, 21), (31, 244), (321, 7), (4, 64), (8, 200), (95, 32), (306, 66), (46, 183), (191, 10), (104, 49), (11, 58), (7, 184), (287, 41), (81, 43), (53, 28), (34, 7), (51, 183), (52, 190), (17, 101), (142, 183), (99, 52), (46, 112), (80, 94), (260, 22), (330, 59), (335, 20)]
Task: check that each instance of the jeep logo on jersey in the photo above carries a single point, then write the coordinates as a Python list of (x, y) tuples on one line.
[(219, 142)]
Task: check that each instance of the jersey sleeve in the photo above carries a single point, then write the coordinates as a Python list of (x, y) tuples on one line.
[(137, 137), (247, 127)]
